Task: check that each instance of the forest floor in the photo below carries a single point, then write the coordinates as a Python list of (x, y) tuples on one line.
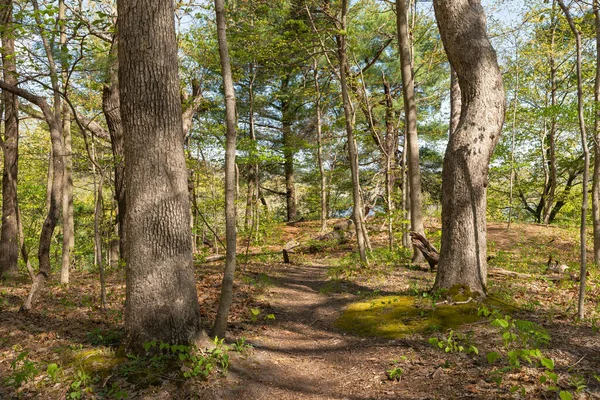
[(286, 340)]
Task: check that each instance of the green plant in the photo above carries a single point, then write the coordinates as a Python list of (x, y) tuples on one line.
[(241, 346), (394, 374), (52, 370), (23, 370), (455, 342), (80, 384)]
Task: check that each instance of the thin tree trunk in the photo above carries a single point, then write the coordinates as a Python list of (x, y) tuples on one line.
[(323, 180), (111, 109), (596, 179), (586, 158), (352, 150), (68, 242), (463, 255), (410, 115), (161, 298), (391, 144), (288, 152), (9, 234), (406, 242), (220, 327), (512, 141)]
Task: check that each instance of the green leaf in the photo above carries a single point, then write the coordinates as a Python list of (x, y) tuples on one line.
[(548, 363), (501, 322), (492, 357), (564, 395)]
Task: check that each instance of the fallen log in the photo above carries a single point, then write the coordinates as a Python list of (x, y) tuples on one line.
[(339, 234)]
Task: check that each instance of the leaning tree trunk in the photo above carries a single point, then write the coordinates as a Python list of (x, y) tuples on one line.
[(9, 235), (55, 191), (410, 116), (596, 179), (463, 253), (161, 298), (220, 327)]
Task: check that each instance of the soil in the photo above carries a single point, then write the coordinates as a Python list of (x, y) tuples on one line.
[(298, 353)]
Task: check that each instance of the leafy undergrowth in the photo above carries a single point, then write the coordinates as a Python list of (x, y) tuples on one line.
[(528, 345)]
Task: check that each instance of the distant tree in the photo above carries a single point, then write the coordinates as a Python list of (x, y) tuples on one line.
[(161, 301), (463, 260)]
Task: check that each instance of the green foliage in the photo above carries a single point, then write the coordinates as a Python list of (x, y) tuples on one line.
[(455, 342), (109, 338), (23, 370), (394, 374)]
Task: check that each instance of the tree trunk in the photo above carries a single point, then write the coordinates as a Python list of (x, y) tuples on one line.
[(288, 152), (586, 158), (161, 297), (391, 145), (352, 150), (111, 109), (596, 179), (68, 242), (455, 102), (410, 115), (9, 234), (323, 180), (220, 327), (463, 252)]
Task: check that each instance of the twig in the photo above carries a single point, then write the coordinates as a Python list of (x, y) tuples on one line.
[(454, 302), (207, 225), (578, 361)]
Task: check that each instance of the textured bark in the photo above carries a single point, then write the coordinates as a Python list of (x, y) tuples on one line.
[(596, 178), (9, 234), (161, 298), (586, 162), (352, 150), (465, 171), (455, 102), (410, 116), (220, 327), (111, 109)]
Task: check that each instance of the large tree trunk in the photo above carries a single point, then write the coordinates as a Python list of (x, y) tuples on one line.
[(161, 297), (410, 115), (352, 148), (220, 327), (9, 235), (596, 180), (463, 253)]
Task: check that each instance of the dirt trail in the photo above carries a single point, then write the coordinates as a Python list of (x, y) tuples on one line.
[(301, 355)]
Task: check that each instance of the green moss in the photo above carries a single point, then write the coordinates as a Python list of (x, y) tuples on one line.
[(393, 317), (461, 293), (96, 361)]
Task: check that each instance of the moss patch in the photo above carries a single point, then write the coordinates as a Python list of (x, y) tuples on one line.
[(97, 361), (393, 317)]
